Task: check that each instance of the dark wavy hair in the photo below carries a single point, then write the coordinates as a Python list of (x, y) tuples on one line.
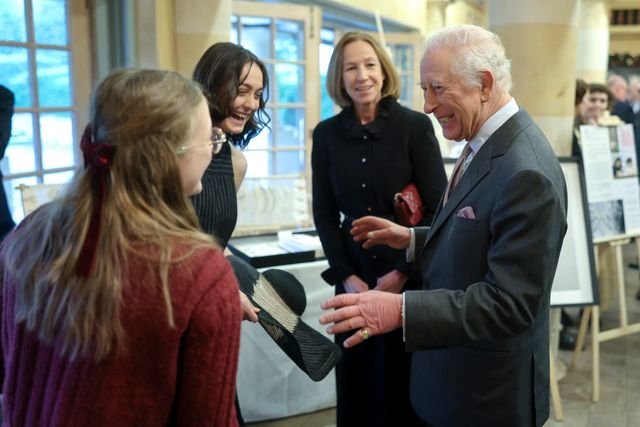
[(219, 72)]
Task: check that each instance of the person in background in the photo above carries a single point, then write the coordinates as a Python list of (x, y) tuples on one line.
[(602, 100), (236, 84), (116, 308), (618, 86), (360, 158), (585, 114), (479, 328), (6, 113)]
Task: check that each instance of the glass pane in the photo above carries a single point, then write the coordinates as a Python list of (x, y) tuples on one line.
[(50, 21), (326, 103), (289, 40), (263, 140), (267, 202), (20, 155), (287, 162), (327, 36), (256, 36), (402, 57), (14, 73), (13, 195), (58, 177), (289, 127), (53, 78), (405, 87), (290, 83), (57, 140), (12, 22), (233, 37), (257, 163)]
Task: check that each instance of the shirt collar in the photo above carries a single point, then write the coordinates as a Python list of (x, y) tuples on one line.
[(492, 124)]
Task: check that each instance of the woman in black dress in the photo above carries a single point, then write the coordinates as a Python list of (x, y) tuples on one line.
[(361, 157), (235, 83)]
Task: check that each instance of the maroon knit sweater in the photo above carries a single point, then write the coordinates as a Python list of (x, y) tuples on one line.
[(181, 376)]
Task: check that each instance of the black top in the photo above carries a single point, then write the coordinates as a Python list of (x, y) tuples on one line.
[(217, 205), (357, 170), (6, 111)]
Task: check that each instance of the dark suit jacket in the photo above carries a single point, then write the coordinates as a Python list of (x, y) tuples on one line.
[(480, 333)]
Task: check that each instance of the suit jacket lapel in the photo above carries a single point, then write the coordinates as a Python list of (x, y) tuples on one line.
[(480, 166)]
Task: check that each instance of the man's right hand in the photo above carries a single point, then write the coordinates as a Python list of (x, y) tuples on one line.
[(378, 231)]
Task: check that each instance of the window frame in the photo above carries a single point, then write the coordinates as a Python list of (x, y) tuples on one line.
[(78, 48)]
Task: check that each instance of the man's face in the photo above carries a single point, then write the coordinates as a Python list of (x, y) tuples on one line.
[(458, 109)]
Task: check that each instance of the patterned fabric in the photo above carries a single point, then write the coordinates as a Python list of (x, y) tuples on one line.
[(217, 205)]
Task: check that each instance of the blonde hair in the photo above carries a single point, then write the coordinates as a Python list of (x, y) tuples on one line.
[(335, 83), (146, 115)]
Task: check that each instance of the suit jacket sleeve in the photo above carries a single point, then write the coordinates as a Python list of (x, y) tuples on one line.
[(526, 237)]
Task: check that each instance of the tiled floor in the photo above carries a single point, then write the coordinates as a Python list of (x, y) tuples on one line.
[(619, 404)]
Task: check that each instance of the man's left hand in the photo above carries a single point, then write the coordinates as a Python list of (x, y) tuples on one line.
[(373, 312)]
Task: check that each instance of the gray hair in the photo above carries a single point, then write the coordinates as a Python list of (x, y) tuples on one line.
[(477, 50)]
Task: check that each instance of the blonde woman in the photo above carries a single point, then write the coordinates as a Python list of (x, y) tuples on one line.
[(361, 158), (116, 308)]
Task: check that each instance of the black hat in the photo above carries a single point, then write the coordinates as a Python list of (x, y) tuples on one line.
[(282, 300)]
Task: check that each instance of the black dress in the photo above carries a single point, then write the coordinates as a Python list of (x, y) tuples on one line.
[(217, 204), (357, 169)]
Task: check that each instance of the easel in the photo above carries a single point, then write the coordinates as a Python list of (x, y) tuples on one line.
[(598, 336)]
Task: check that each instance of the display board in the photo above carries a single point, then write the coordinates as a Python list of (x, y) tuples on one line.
[(611, 176), (575, 280)]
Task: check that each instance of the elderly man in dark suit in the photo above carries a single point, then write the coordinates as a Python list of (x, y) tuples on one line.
[(6, 112), (479, 329)]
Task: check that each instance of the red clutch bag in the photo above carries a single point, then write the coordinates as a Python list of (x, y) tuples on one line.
[(408, 206)]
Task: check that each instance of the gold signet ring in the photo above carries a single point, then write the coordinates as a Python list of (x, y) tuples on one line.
[(364, 333)]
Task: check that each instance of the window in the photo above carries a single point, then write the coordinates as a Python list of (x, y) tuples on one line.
[(36, 64), (274, 192)]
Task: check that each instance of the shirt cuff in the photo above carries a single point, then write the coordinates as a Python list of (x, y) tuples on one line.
[(411, 250)]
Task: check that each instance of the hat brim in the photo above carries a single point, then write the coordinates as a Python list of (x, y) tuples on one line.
[(311, 351)]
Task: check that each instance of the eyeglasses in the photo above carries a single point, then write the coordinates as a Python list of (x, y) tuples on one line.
[(218, 138)]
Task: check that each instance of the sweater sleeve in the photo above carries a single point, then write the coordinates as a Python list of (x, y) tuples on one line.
[(326, 214), (209, 353)]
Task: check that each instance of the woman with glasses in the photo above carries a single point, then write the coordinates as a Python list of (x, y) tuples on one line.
[(115, 306), (361, 158)]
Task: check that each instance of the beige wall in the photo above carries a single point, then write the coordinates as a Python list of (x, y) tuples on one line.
[(412, 12)]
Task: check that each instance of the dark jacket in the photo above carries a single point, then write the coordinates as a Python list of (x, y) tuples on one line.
[(357, 170), (480, 331)]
